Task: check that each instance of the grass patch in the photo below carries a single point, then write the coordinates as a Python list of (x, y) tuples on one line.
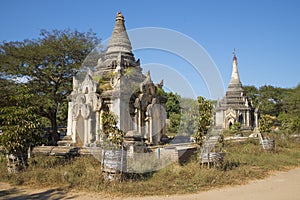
[(244, 161)]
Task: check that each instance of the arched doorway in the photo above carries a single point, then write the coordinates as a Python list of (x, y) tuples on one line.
[(229, 124)]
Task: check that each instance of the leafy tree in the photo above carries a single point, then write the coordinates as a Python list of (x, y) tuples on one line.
[(282, 104), (253, 94), (7, 90), (174, 123), (48, 65), (289, 117), (173, 104), (294, 124), (189, 116), (289, 124), (173, 110), (266, 122), (270, 99), (20, 125), (204, 120)]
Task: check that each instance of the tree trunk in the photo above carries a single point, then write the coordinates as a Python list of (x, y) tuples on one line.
[(54, 133)]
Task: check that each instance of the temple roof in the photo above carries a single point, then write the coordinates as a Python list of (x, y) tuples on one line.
[(119, 41)]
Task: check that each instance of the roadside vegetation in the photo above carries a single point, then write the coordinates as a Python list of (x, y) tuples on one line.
[(244, 161)]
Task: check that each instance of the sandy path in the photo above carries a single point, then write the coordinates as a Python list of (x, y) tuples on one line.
[(281, 186)]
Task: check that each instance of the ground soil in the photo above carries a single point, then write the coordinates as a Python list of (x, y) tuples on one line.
[(279, 186)]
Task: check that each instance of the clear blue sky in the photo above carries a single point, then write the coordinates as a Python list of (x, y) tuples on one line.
[(265, 33)]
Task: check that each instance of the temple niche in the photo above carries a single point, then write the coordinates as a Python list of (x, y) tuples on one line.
[(235, 106), (118, 85)]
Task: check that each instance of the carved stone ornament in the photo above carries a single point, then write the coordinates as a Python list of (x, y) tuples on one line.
[(81, 108), (230, 113), (75, 111), (137, 103), (80, 99), (85, 111), (97, 102)]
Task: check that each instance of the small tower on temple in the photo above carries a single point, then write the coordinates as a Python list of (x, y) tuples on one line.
[(234, 106)]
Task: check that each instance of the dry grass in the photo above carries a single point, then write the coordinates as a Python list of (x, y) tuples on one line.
[(243, 162)]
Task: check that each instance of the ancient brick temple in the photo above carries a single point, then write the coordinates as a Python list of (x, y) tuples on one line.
[(234, 106), (116, 84)]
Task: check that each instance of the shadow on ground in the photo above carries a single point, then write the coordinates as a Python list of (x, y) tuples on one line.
[(18, 194)]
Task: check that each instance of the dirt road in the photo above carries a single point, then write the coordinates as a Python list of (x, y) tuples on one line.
[(281, 186)]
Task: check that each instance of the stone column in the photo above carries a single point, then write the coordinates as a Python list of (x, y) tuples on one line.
[(97, 129), (150, 129), (224, 120), (139, 122), (91, 131), (144, 124), (248, 118), (163, 121), (99, 134), (85, 136), (136, 120), (73, 131), (70, 118), (256, 119)]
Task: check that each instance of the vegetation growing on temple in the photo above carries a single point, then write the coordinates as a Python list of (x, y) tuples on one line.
[(110, 129)]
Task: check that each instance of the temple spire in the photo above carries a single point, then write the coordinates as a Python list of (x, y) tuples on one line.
[(235, 78), (235, 82), (119, 41)]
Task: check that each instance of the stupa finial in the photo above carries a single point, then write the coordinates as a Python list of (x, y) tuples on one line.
[(119, 41)]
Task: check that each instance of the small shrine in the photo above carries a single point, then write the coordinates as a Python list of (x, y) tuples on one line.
[(116, 85)]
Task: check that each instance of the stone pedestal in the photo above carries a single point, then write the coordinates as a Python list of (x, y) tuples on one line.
[(114, 164), (16, 163), (134, 143)]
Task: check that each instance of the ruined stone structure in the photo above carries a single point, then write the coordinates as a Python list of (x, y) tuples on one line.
[(118, 85), (235, 106)]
